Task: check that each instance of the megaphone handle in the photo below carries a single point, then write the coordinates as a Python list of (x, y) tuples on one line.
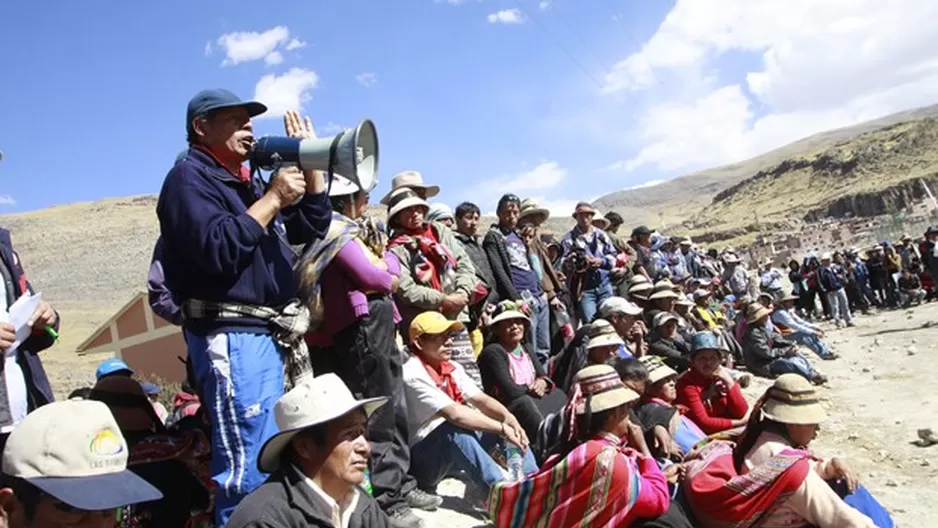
[(333, 150)]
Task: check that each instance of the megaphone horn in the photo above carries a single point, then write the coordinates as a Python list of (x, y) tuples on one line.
[(352, 154)]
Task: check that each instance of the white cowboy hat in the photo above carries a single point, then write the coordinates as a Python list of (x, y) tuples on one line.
[(530, 207), (402, 199), (410, 179), (317, 401)]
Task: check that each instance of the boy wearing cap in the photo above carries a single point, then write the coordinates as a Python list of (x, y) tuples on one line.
[(65, 466), (452, 422), (226, 254), (317, 462)]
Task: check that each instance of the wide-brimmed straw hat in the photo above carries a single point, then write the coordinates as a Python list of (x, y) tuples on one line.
[(656, 368), (756, 311), (662, 318), (685, 300), (602, 333), (600, 389), (583, 207), (507, 310), (730, 258), (793, 400), (638, 279), (601, 221), (410, 179), (618, 305), (663, 290), (404, 198), (641, 290), (790, 297), (530, 207), (317, 401)]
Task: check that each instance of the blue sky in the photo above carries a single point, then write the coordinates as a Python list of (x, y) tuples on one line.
[(480, 96)]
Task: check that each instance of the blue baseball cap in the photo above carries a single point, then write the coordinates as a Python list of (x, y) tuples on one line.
[(74, 451), (705, 341), (113, 366), (207, 100), (149, 388)]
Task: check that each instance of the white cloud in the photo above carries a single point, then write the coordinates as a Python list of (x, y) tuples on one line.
[(820, 65), (247, 46), (537, 181), (273, 58), (6, 199), (367, 79), (544, 5), (645, 185), (288, 91), (208, 49), (506, 16), (329, 129), (295, 44)]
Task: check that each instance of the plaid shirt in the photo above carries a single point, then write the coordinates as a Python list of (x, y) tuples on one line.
[(289, 324)]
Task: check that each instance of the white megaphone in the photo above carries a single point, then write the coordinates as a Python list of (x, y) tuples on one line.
[(352, 154)]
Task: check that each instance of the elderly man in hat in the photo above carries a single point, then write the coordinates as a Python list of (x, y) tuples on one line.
[(589, 258), (318, 462), (793, 327), (227, 257), (65, 466)]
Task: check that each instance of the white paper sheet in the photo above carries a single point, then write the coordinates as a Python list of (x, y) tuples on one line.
[(20, 312)]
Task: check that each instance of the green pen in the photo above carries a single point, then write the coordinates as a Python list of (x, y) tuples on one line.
[(51, 331)]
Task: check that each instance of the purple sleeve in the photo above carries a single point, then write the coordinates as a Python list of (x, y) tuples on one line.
[(394, 264), (363, 274)]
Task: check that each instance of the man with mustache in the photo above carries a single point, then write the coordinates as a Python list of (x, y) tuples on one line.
[(227, 258)]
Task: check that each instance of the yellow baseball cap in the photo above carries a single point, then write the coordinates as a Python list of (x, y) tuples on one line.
[(433, 323)]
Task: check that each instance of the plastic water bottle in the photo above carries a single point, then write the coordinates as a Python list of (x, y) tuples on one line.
[(566, 327), (366, 483), (515, 459), (528, 299)]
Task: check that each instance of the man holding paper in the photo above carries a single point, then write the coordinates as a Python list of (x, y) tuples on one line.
[(22, 337)]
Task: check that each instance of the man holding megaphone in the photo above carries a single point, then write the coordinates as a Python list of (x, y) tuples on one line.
[(226, 255)]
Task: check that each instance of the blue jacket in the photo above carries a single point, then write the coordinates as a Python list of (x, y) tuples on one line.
[(213, 251), (38, 390)]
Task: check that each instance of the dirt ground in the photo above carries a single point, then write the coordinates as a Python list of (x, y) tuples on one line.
[(881, 391)]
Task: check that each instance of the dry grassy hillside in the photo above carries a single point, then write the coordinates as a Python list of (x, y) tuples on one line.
[(675, 201)]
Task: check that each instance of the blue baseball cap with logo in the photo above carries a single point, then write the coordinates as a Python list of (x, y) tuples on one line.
[(113, 366), (216, 99), (74, 451)]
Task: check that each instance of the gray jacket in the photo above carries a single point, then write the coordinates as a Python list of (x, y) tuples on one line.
[(286, 501)]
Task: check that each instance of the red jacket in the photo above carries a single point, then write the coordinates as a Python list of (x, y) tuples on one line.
[(716, 413)]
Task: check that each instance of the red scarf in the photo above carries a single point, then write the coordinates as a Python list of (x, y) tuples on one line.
[(244, 173), (444, 380), (434, 259)]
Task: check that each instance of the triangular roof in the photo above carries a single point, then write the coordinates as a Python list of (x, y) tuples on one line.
[(106, 326)]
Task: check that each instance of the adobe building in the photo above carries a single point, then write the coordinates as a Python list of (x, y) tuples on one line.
[(146, 342)]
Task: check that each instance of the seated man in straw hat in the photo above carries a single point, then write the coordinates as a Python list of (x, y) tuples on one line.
[(65, 465), (317, 462), (795, 328), (453, 423), (771, 355)]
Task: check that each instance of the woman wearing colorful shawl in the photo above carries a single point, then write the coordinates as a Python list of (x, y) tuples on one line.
[(713, 398), (512, 376), (593, 480), (771, 480), (436, 272), (354, 276)]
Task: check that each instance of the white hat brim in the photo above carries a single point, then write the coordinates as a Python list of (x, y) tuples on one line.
[(270, 454), (429, 190)]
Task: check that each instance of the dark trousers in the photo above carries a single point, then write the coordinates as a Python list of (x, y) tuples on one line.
[(367, 359), (530, 411)]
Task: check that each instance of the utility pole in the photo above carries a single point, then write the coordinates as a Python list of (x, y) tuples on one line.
[(925, 185)]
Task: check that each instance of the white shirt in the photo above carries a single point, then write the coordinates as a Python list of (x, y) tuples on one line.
[(12, 373), (425, 400), (341, 513)]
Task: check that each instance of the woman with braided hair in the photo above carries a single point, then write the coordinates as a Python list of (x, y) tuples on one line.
[(593, 479)]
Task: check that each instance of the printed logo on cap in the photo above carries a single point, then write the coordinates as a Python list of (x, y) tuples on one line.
[(106, 444)]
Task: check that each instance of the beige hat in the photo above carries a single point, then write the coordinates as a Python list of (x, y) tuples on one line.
[(402, 199), (601, 221), (641, 290), (756, 311), (317, 401), (615, 305), (74, 451), (410, 179), (663, 290), (530, 207), (685, 300), (601, 333), (793, 400), (662, 318), (601, 389), (638, 279), (656, 368), (583, 207), (506, 310), (730, 258)]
